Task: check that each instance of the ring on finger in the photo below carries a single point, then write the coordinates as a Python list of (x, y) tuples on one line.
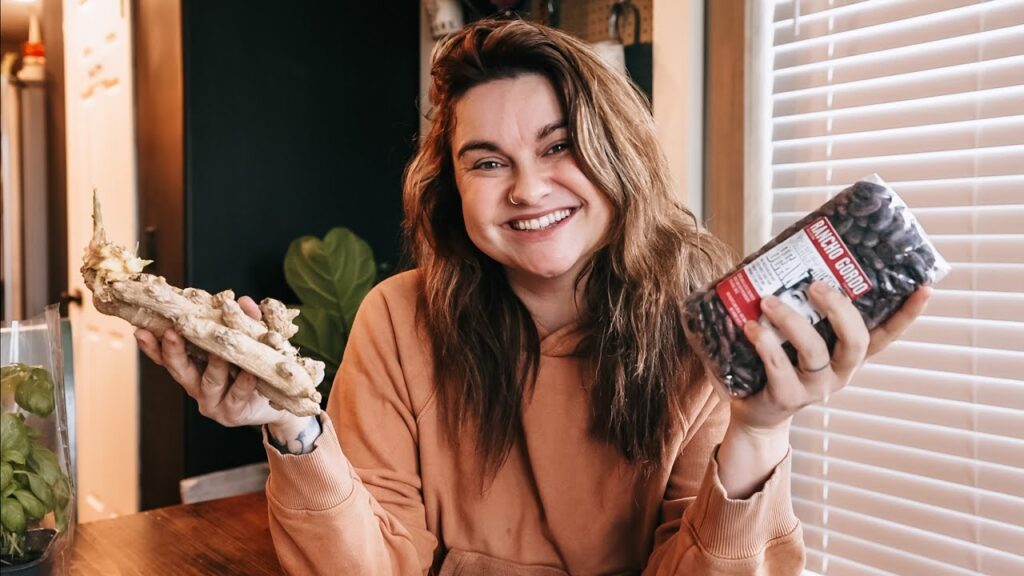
[(813, 370)]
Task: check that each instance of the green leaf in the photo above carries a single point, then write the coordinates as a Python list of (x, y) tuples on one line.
[(33, 507), (61, 516), (10, 376), (35, 392), (40, 489), (333, 274), (45, 463), (6, 474), (321, 335), (14, 439), (12, 515), (61, 493)]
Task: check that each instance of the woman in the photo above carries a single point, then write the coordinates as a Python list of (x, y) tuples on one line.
[(524, 402)]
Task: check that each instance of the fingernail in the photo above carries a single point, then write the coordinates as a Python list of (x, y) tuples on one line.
[(770, 301), (749, 327), (820, 288)]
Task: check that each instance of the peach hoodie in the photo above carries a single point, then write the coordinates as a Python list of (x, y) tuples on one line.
[(383, 492)]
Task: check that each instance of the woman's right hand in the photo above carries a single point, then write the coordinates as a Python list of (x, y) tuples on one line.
[(230, 403)]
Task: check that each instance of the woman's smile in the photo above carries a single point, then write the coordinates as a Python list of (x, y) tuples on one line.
[(547, 221)]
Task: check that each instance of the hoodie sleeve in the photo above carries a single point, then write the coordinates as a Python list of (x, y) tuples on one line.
[(329, 517), (705, 532)]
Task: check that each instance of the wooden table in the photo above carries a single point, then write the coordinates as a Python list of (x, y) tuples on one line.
[(224, 537)]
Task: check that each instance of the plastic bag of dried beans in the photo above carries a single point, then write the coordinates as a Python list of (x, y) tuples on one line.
[(863, 242)]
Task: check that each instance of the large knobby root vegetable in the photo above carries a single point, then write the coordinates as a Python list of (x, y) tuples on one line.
[(211, 323)]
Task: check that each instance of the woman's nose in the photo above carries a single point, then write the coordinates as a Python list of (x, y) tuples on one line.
[(532, 185)]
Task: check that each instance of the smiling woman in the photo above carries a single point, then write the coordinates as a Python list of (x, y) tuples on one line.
[(525, 201), (524, 401)]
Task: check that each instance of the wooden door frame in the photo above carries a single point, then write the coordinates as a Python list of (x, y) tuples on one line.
[(724, 120), (159, 101)]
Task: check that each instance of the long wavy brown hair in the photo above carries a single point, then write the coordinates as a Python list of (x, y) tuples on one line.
[(485, 344)]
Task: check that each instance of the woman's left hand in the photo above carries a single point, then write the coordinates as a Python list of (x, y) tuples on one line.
[(757, 438), (817, 375)]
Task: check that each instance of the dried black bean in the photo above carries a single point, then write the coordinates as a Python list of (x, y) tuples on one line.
[(854, 236), (927, 256), (865, 207), (842, 224), (916, 267), (881, 219), (870, 239)]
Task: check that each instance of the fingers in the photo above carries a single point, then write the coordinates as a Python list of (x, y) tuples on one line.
[(237, 405), (241, 391), (250, 307), (777, 366), (883, 335), (812, 353), (214, 382), (852, 334), (149, 345), (177, 363)]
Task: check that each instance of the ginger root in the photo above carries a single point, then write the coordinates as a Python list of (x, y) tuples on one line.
[(211, 323)]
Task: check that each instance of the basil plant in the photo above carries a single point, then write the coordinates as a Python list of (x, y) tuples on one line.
[(32, 483)]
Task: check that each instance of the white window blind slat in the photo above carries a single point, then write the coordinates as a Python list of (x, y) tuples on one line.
[(949, 431), (981, 248), (885, 25), (992, 43), (993, 334), (977, 304), (982, 390), (929, 520), (967, 500), (890, 455), (932, 109), (964, 360), (987, 133), (1003, 220), (917, 467), (987, 277), (1007, 221), (788, 9), (953, 192), (855, 15), (984, 74), (904, 549), (841, 542), (836, 566), (994, 161)]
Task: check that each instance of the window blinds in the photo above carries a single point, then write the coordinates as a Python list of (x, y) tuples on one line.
[(918, 466)]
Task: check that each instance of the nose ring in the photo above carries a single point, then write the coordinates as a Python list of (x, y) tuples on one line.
[(512, 200)]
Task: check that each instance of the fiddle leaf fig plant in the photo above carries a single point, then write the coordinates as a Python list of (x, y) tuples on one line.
[(331, 276), (32, 483)]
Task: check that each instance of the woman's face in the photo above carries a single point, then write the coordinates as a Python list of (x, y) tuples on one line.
[(511, 140)]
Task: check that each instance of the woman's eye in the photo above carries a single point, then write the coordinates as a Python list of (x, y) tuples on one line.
[(560, 147), (487, 165)]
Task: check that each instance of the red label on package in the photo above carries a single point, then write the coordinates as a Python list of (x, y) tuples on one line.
[(815, 252), (740, 297)]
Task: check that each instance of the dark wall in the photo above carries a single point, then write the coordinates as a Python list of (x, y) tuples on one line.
[(299, 116)]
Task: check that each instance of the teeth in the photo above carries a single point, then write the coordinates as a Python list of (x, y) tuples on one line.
[(545, 221)]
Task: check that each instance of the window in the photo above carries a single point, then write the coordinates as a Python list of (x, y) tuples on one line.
[(917, 467)]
